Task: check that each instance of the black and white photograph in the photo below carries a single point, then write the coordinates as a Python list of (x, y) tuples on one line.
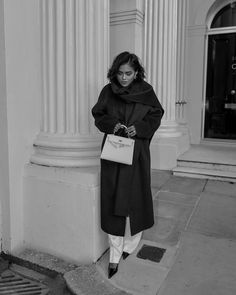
[(118, 147)]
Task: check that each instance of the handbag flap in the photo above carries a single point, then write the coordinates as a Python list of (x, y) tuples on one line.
[(120, 140)]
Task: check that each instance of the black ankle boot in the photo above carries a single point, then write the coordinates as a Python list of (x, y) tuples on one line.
[(112, 269), (125, 255)]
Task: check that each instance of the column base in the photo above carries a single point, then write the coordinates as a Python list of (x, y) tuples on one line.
[(66, 151), (167, 145), (62, 212)]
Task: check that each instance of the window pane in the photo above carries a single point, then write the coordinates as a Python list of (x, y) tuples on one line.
[(226, 17)]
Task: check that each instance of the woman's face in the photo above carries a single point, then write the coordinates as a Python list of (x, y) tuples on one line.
[(126, 75)]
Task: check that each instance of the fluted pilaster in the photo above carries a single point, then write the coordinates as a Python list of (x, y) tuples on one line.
[(181, 99), (74, 38), (160, 58)]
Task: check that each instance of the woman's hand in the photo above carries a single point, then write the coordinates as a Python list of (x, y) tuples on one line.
[(117, 127), (131, 131)]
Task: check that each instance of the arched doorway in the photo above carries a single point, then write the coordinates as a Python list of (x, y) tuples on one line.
[(220, 103)]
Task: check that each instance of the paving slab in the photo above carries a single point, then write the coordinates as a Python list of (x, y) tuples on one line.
[(175, 210), (154, 192), (163, 231), (220, 187), (160, 177), (177, 198), (171, 212), (140, 276), (215, 216), (184, 185), (204, 266)]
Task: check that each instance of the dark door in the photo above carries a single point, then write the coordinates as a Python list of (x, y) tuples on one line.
[(220, 107)]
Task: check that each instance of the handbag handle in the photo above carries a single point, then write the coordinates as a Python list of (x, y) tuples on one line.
[(125, 127)]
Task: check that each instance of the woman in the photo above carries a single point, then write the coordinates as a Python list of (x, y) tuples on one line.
[(126, 199)]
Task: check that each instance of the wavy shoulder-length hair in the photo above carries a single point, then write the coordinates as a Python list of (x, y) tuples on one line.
[(124, 58)]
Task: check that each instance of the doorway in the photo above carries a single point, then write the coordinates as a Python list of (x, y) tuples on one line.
[(220, 106)]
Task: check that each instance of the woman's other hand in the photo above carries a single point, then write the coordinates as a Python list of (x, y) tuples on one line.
[(131, 131)]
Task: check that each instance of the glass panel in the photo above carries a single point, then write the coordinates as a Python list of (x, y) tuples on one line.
[(226, 17), (220, 107)]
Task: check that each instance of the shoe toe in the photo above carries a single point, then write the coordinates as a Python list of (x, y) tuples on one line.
[(112, 270), (125, 255)]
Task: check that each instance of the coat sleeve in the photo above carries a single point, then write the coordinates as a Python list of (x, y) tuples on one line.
[(149, 124), (103, 121)]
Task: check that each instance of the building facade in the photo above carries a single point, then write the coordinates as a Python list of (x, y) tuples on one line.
[(54, 58)]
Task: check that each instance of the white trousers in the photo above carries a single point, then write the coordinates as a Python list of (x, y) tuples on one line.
[(118, 245)]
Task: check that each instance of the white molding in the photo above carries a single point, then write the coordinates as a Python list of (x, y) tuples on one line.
[(57, 158), (197, 30), (126, 17), (168, 129), (70, 141), (224, 30), (215, 8), (66, 150)]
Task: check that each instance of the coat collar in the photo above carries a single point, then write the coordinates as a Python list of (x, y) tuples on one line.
[(140, 92)]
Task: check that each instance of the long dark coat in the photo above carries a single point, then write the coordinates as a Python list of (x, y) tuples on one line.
[(126, 189)]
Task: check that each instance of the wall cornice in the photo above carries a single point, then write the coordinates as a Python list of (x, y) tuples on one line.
[(197, 30), (126, 17)]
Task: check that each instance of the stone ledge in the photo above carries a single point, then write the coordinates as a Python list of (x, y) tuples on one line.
[(87, 280), (46, 261)]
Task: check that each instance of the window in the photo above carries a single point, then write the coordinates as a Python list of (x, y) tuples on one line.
[(226, 17)]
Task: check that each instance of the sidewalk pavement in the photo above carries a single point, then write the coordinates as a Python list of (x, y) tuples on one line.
[(195, 225)]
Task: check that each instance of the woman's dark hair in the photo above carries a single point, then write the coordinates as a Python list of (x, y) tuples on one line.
[(124, 58)]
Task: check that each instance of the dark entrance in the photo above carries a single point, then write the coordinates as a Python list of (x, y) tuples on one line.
[(220, 107)]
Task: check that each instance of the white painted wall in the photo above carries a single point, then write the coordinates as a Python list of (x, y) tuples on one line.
[(4, 171), (21, 110), (62, 212)]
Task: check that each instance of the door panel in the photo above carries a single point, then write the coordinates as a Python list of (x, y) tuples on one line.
[(220, 106)]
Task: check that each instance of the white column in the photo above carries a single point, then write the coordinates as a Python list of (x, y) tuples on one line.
[(74, 38), (163, 45), (161, 56)]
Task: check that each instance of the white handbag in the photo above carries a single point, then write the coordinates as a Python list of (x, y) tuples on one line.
[(118, 149)]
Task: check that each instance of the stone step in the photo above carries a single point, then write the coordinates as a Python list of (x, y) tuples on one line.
[(207, 165), (205, 173), (209, 161)]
